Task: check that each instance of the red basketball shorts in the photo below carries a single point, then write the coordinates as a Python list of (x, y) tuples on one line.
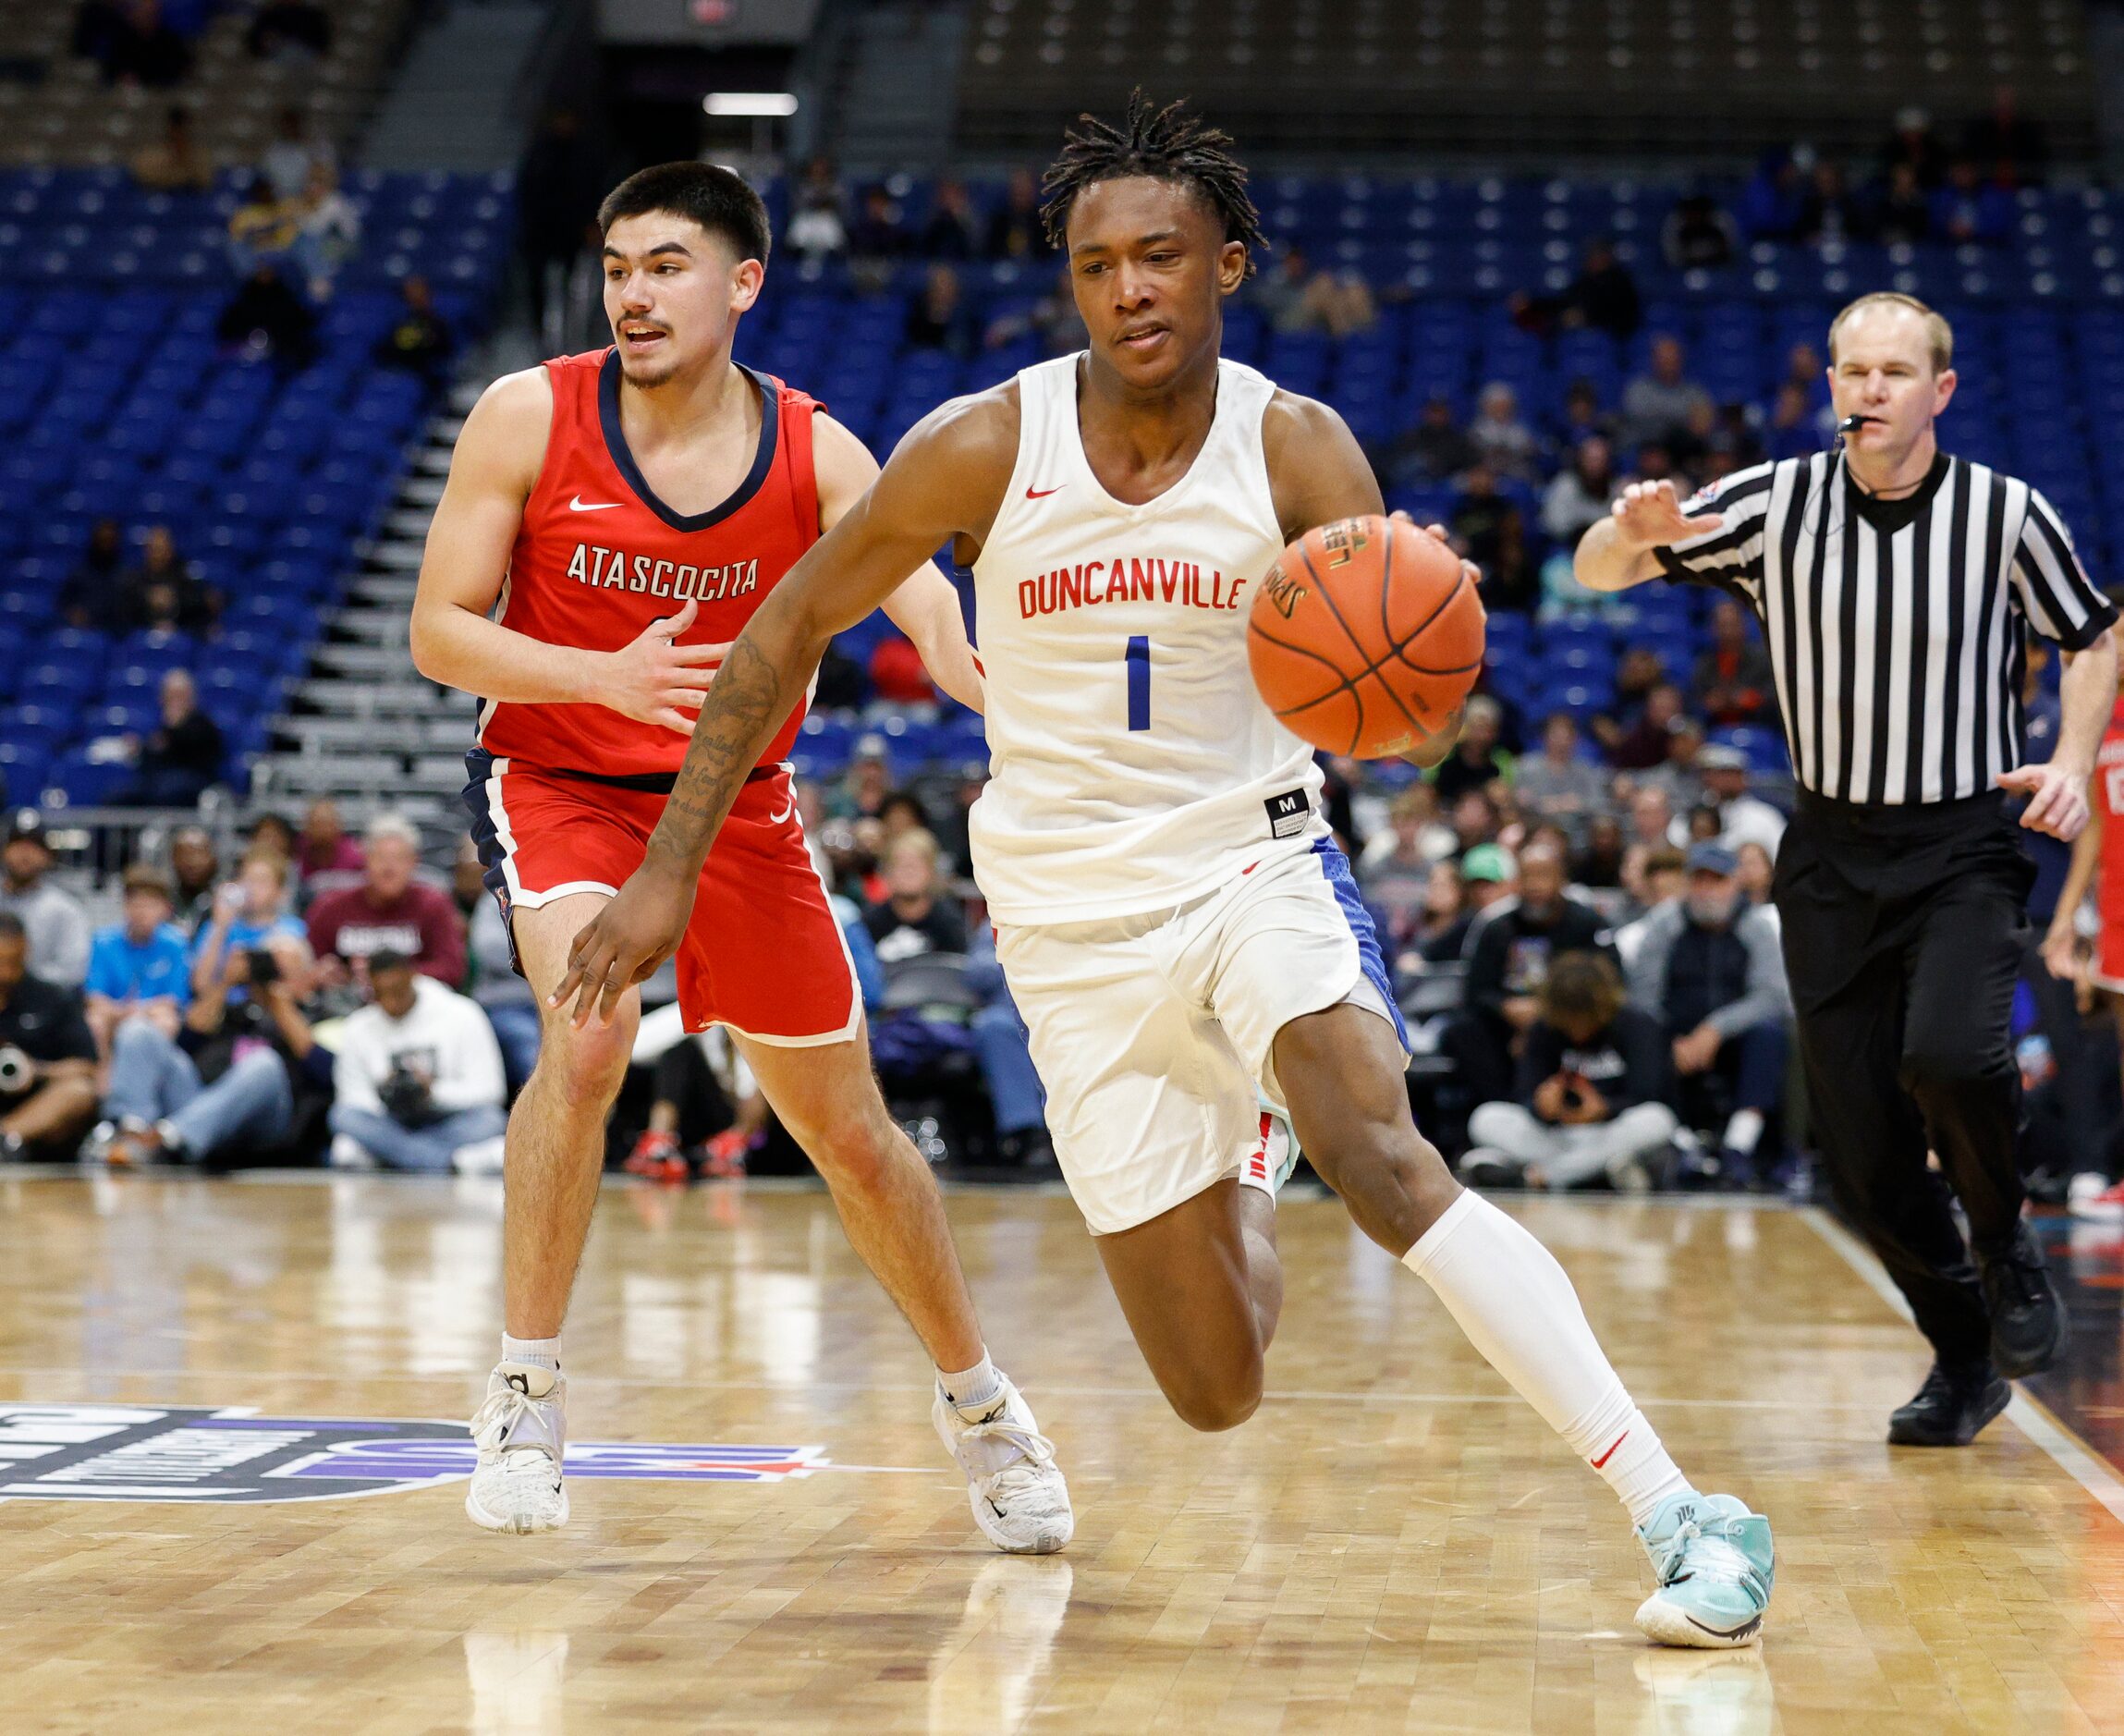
[(762, 955)]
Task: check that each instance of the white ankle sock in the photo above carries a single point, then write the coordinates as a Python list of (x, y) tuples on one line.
[(1518, 1308), (537, 1352), (972, 1387), (1743, 1132)]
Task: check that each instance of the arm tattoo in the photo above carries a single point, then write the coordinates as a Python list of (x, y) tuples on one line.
[(746, 703)]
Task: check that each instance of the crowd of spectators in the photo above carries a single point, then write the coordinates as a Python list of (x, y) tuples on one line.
[(322, 998), (318, 998)]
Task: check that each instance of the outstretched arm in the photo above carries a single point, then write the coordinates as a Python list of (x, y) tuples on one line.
[(947, 476), (926, 606), (1617, 552)]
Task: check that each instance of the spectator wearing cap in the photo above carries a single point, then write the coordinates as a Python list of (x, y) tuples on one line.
[(1588, 1091), (417, 1082), (1509, 952), (1557, 784), (1680, 777), (54, 921), (139, 968), (392, 908), (1708, 967), (1742, 818), (1491, 873), (868, 782), (48, 1088)]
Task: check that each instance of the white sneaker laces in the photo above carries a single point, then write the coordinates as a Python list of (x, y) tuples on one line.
[(497, 1417), (1706, 1555), (1035, 1451)]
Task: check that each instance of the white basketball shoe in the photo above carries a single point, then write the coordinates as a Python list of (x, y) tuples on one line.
[(1013, 1483), (521, 1433)]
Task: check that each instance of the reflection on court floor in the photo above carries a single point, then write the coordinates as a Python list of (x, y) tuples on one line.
[(766, 1535)]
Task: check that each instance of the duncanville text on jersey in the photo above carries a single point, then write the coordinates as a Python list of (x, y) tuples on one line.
[(1127, 581), (616, 569)]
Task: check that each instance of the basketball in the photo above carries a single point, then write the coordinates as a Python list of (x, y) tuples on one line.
[(1365, 635)]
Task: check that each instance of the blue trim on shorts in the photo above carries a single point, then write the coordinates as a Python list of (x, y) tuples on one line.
[(486, 837), (1336, 866)]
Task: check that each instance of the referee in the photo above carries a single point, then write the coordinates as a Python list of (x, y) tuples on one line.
[(1894, 584)]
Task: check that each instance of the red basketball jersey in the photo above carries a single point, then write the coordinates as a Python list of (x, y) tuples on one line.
[(598, 558)]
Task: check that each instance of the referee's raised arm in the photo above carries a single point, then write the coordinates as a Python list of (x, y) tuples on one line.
[(1622, 549)]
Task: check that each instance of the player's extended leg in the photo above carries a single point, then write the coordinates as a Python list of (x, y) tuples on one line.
[(555, 1157), (1341, 1071), (1202, 1287), (827, 1097)]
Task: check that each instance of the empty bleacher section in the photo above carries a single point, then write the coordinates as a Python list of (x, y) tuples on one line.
[(1713, 78), (57, 106), (115, 399)]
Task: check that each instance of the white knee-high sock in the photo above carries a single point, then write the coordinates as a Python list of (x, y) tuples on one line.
[(1519, 1309)]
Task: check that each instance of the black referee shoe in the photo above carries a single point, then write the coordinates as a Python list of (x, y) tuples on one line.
[(2027, 1319), (1950, 1408)]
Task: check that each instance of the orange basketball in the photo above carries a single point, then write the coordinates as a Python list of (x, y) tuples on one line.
[(1365, 633)]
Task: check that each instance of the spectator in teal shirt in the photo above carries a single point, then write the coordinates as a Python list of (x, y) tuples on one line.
[(139, 968)]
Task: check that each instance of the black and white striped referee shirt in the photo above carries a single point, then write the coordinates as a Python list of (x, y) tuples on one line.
[(1896, 628)]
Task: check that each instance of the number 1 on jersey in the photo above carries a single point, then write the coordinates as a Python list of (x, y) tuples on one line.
[(1140, 681)]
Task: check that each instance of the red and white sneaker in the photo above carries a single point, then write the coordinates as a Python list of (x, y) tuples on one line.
[(724, 1156), (2096, 1204), (656, 1158)]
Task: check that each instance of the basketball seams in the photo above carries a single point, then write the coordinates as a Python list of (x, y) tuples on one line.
[(1371, 669), (1349, 682)]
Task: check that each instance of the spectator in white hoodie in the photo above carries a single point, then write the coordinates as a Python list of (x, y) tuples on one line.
[(418, 1080)]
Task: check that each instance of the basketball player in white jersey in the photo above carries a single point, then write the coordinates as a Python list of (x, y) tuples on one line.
[(1176, 926)]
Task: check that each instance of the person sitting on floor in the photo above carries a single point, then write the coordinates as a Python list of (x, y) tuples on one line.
[(418, 1079), (1589, 1091)]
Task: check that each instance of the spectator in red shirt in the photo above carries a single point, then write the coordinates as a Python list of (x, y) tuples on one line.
[(897, 675), (389, 910)]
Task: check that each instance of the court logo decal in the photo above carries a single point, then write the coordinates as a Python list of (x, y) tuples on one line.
[(124, 1452)]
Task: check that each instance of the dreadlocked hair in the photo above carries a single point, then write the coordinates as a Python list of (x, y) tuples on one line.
[(1167, 144)]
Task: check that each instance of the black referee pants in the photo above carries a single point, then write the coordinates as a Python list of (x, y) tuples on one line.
[(1904, 931)]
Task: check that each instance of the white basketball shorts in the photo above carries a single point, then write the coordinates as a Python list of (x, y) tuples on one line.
[(1153, 1033)]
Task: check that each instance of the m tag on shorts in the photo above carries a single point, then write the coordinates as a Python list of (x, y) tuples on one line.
[(1288, 813)]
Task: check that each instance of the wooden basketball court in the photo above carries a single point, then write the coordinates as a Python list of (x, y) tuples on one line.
[(1393, 1543)]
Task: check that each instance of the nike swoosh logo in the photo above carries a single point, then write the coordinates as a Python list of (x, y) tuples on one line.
[(1041, 494), (776, 819), (580, 505), (1610, 1453)]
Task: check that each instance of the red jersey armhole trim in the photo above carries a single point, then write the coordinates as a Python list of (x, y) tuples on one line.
[(796, 414)]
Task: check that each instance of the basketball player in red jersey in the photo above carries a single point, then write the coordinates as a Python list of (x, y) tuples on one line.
[(627, 511), (2097, 860)]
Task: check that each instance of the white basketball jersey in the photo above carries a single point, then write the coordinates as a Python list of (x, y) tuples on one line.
[(1134, 766)]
